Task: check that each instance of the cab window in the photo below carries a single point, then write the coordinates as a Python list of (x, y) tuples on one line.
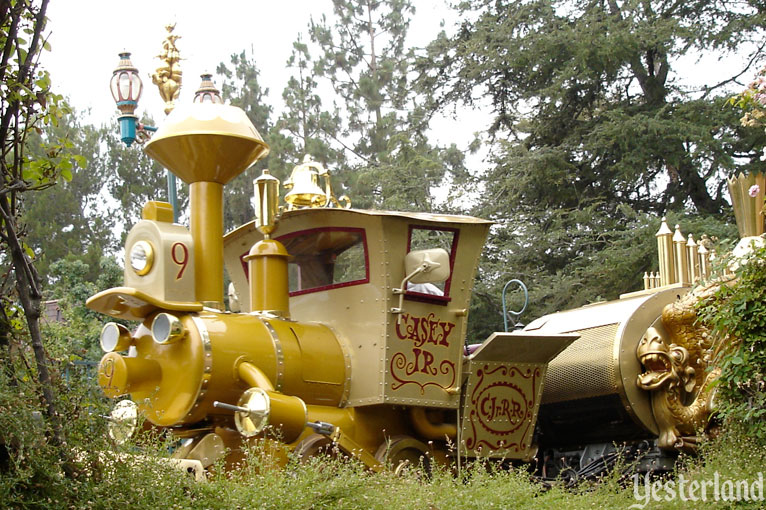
[(326, 258), (423, 238)]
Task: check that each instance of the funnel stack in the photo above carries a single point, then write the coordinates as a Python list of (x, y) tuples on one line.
[(207, 145)]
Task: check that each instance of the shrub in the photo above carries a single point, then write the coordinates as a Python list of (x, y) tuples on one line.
[(736, 313)]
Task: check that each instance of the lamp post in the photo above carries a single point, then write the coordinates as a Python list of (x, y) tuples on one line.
[(126, 87), (126, 90)]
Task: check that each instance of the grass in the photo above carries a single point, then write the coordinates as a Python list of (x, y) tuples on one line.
[(343, 484)]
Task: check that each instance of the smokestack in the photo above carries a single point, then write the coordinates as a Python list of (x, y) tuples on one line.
[(207, 145)]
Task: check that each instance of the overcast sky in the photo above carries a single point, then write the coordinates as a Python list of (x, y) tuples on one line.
[(87, 35)]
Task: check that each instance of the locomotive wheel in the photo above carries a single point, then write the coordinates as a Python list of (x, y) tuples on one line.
[(404, 452), (315, 445)]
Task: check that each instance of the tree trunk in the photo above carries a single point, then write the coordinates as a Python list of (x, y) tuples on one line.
[(28, 288)]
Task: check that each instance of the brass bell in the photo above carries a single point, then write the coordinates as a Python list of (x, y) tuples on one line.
[(304, 187)]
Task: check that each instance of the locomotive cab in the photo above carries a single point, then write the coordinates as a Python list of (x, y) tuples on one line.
[(347, 270)]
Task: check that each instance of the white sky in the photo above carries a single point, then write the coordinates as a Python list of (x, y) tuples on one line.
[(87, 35)]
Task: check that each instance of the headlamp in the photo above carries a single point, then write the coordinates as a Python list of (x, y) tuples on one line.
[(141, 257)]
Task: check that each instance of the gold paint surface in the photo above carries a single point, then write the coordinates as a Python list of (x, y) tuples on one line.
[(119, 375), (207, 142), (134, 305), (500, 409), (169, 282), (182, 365), (206, 199), (267, 264), (602, 362), (748, 211), (157, 211), (370, 340), (168, 76)]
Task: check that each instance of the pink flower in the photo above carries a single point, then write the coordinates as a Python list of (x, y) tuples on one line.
[(754, 190)]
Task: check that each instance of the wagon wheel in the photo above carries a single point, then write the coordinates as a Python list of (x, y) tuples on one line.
[(404, 452), (315, 445)]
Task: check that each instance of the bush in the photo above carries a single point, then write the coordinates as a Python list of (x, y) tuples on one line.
[(736, 313)]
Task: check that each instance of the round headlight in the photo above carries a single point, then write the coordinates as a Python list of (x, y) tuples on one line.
[(141, 257), (115, 337), (166, 329), (123, 421)]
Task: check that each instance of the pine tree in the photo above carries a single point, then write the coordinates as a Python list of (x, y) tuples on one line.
[(241, 88), (306, 121), (365, 58)]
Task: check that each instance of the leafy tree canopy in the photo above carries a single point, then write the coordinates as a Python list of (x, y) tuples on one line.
[(586, 96), (390, 162), (71, 217), (593, 136)]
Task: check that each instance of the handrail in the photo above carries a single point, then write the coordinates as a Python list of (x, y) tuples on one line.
[(515, 314)]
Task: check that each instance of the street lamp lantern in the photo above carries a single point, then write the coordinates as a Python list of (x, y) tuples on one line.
[(126, 90), (207, 92)]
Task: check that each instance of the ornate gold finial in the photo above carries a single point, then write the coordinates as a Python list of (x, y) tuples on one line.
[(665, 252), (693, 258), (168, 74), (681, 257)]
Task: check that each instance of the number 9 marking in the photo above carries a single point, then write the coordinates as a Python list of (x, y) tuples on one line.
[(108, 371), (182, 258)]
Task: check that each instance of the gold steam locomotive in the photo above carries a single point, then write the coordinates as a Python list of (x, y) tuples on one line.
[(347, 327)]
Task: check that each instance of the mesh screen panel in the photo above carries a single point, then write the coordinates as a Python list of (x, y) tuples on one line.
[(585, 369)]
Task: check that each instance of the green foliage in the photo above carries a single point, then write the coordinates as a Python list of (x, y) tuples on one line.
[(364, 57), (403, 178), (570, 258), (71, 216), (737, 316), (31, 469), (307, 123), (592, 139), (584, 100), (380, 124), (77, 337), (132, 178), (241, 88), (110, 477), (27, 106)]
